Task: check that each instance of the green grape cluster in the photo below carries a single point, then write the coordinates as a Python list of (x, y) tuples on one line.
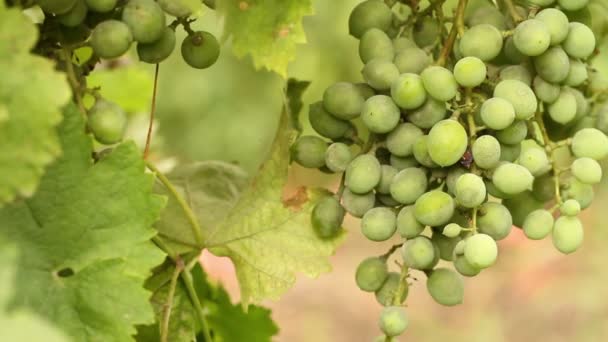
[(110, 27), (458, 132)]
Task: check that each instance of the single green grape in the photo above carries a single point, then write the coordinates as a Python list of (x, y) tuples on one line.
[(563, 110), (463, 267), (452, 230), (426, 31), (408, 185), (375, 44), (487, 15), (371, 274), (582, 104), (532, 37), (380, 73), (56, 6), (545, 91), (512, 179), (412, 60), (200, 49), (497, 113), (513, 134), (407, 225), (445, 286), (159, 50), (512, 54), (431, 112), (101, 6), (327, 217), (75, 16), (365, 90), (567, 234), (538, 224), (543, 188), (357, 204), (581, 192), (111, 39), (517, 72), (570, 208), (107, 121), (481, 251), (452, 177), (553, 65), (402, 163), (434, 208), (587, 170), (402, 43), (521, 205), (556, 22), (510, 153), (445, 245), (380, 114), (572, 5), (580, 42), (482, 41), (393, 320), (367, 15), (520, 95), (146, 20), (408, 91), (447, 142), (343, 100), (400, 141), (418, 253), (337, 157), (421, 152), (486, 152), (363, 174), (180, 8), (379, 224), (386, 178), (590, 142), (385, 296), (326, 124), (309, 151), (440, 83), (470, 190), (535, 160), (577, 75), (494, 220), (470, 72)]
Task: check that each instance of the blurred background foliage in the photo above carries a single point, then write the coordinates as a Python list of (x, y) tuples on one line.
[(230, 112)]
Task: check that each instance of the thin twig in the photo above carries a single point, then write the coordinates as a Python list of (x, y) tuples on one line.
[(200, 313), (513, 11), (152, 110), (164, 329), (74, 83), (457, 29)]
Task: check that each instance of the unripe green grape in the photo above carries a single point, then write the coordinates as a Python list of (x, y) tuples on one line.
[(386, 200), (418, 253), (535, 160), (538, 224), (365, 90), (408, 185), (516, 72), (426, 31), (408, 91), (452, 177), (309, 151), (380, 114), (326, 124), (401, 140), (146, 20), (580, 42), (577, 74), (513, 134), (582, 105), (556, 22), (446, 287), (402, 43), (487, 15), (494, 220), (439, 82), (159, 50), (75, 16), (481, 251), (463, 267), (447, 142), (541, 3), (532, 37), (407, 225), (470, 190), (371, 274), (200, 50), (393, 320), (512, 178), (402, 163), (510, 153), (111, 39), (587, 170), (570, 208), (553, 65), (434, 208), (572, 5), (582, 123), (363, 174), (470, 72), (581, 192), (482, 41), (386, 178), (386, 294), (107, 121), (357, 205), (602, 119), (445, 245), (379, 224), (180, 8), (567, 234), (511, 53), (412, 60), (494, 192), (563, 110), (343, 100), (452, 230), (327, 217), (367, 15), (337, 157), (590, 142), (101, 6), (431, 112), (497, 113), (380, 73), (56, 6), (521, 205), (486, 152), (543, 188), (375, 44), (520, 95), (545, 91), (421, 152)]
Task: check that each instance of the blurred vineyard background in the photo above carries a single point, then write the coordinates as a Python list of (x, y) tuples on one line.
[(230, 112)]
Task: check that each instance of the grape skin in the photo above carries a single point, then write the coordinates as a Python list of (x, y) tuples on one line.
[(495, 220), (556, 22), (393, 320), (386, 294), (516, 72), (538, 224), (431, 112), (481, 251), (75, 16), (159, 50), (570, 208), (434, 208), (513, 134), (580, 42), (439, 82), (380, 114), (510, 153), (587, 170), (380, 73), (577, 74), (412, 60), (463, 267), (497, 113), (535, 159), (402, 163), (421, 152), (375, 44), (418, 253), (337, 157), (343, 100), (572, 5), (180, 8), (567, 234), (482, 41), (371, 274), (407, 225), (590, 142), (532, 37), (357, 204), (408, 91), (486, 152), (400, 141), (200, 49), (386, 178), (379, 224), (309, 151), (447, 142), (470, 72), (583, 193), (553, 65), (56, 6), (111, 39), (146, 20), (107, 121), (326, 124), (563, 110), (369, 14), (545, 91), (470, 190), (363, 174), (408, 185), (101, 6), (512, 178), (445, 286), (520, 95), (327, 217), (445, 245)]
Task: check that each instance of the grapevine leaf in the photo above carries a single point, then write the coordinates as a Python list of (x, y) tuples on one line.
[(129, 87), (20, 325), (84, 239), (31, 96), (268, 30)]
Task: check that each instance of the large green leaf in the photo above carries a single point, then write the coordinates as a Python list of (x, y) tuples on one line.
[(130, 87), (84, 240), (31, 96), (268, 30)]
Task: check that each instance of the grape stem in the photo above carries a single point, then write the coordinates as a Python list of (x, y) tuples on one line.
[(200, 312), (392, 250), (74, 83), (474, 220), (457, 29), (152, 110), (512, 11), (168, 306)]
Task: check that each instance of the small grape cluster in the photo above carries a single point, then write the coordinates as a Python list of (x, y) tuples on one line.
[(456, 136), (110, 27)]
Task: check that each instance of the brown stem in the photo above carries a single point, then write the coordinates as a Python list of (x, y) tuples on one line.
[(457, 29)]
